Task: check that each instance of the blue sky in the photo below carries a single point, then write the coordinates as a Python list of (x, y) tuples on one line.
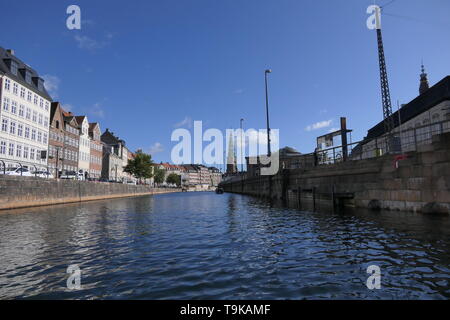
[(142, 68)]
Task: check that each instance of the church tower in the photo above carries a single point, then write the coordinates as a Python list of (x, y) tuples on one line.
[(231, 157), (424, 85)]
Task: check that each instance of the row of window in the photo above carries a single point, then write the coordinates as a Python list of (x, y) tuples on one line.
[(19, 151), (52, 167), (21, 130), (23, 112), (95, 173), (71, 141), (96, 160), (84, 156), (85, 142), (59, 137), (96, 146), (72, 130), (65, 154), (26, 94)]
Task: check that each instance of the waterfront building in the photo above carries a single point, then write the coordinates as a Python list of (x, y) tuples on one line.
[(84, 148), (115, 157), (96, 151), (170, 168), (129, 177), (71, 142), (56, 139), (288, 158), (190, 177), (215, 176), (198, 177), (205, 177), (416, 122), (24, 114), (127, 155), (63, 142)]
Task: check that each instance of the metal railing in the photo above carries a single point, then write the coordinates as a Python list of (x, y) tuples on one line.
[(7, 164), (402, 141)]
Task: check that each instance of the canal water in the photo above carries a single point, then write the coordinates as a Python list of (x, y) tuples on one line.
[(208, 246)]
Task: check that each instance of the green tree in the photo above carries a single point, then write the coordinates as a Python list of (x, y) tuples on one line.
[(174, 178), (140, 166), (159, 175)]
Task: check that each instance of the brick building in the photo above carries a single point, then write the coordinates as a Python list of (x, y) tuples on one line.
[(56, 140), (63, 141), (71, 142), (96, 152)]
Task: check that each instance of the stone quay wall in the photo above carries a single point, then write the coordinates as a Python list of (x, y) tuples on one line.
[(419, 183), (21, 192)]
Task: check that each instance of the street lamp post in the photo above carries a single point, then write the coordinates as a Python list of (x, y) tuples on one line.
[(269, 153), (242, 154)]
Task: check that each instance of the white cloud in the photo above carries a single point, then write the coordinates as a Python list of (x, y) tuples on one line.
[(87, 22), (239, 91), (156, 148), (319, 125), (260, 136), (186, 122), (67, 107), (51, 84), (85, 42), (97, 110), (252, 136)]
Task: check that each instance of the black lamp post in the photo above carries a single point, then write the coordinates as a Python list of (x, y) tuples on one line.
[(242, 154), (269, 153)]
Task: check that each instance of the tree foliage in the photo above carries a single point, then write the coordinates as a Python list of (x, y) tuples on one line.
[(140, 166), (174, 178), (159, 175)]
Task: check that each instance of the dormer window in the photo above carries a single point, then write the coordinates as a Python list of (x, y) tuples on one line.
[(40, 84), (28, 76), (14, 67)]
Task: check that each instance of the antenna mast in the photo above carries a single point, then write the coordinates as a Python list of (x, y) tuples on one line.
[(385, 92), (374, 22)]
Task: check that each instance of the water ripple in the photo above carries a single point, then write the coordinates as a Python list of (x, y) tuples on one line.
[(207, 246)]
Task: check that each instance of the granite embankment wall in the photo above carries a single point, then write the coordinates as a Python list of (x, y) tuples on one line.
[(420, 183), (21, 192)]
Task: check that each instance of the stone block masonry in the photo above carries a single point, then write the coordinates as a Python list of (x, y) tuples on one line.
[(21, 192), (420, 183)]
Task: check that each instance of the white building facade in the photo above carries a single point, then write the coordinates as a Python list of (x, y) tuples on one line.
[(24, 114), (84, 148)]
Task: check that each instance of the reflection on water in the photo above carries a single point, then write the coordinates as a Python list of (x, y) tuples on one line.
[(208, 246)]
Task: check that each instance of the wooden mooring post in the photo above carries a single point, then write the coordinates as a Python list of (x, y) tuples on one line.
[(333, 202), (314, 198)]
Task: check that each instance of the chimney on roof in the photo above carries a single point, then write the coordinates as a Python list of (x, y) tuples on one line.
[(10, 51)]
